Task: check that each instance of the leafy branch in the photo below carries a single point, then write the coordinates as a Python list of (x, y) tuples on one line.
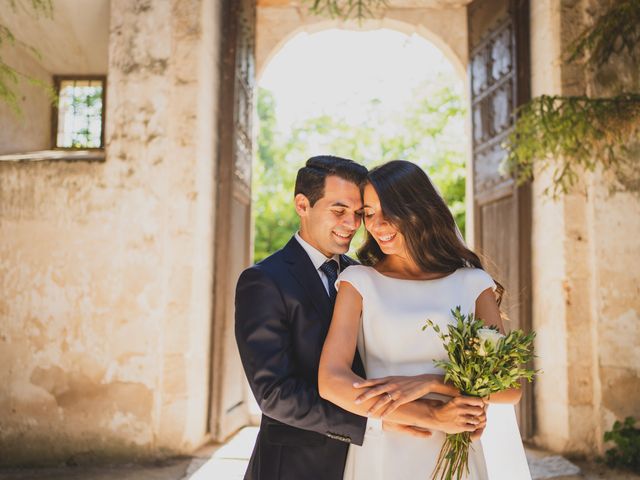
[(574, 134), (614, 32), (347, 9), (9, 76)]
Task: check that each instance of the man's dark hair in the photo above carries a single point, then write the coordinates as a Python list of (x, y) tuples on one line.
[(311, 178)]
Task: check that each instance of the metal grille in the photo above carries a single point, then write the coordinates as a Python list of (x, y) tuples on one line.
[(79, 113), (492, 81)]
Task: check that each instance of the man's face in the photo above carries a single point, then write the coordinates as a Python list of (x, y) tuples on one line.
[(334, 219)]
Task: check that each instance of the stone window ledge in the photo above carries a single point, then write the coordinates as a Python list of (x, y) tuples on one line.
[(56, 155)]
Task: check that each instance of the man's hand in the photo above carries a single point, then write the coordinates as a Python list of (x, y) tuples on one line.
[(406, 429)]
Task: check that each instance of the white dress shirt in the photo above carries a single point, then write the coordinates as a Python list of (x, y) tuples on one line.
[(317, 258)]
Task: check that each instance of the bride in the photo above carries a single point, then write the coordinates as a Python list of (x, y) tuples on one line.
[(415, 267)]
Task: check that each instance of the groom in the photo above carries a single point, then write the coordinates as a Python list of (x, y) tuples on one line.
[(284, 306), (283, 310)]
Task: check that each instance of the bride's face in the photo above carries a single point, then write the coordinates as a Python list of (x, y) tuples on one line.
[(388, 237)]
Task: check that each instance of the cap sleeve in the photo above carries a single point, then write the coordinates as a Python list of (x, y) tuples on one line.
[(357, 276), (478, 281)]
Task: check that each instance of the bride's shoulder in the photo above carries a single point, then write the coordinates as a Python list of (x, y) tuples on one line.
[(359, 276), (358, 271), (477, 278)]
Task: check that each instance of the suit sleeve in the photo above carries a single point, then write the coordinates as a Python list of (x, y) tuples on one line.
[(265, 343)]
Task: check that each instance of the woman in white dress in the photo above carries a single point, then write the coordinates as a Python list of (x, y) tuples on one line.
[(415, 267)]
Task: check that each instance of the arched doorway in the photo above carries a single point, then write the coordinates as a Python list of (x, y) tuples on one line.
[(503, 213), (370, 95)]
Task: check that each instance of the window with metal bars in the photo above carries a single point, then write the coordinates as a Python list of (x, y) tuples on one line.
[(78, 115)]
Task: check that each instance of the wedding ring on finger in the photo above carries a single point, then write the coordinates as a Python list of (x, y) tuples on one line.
[(389, 397)]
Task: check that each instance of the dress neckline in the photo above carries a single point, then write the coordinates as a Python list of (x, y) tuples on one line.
[(416, 279)]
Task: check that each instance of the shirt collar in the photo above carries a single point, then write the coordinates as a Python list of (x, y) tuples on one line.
[(316, 256)]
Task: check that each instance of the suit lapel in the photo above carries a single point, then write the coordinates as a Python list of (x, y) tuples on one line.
[(346, 261), (304, 272)]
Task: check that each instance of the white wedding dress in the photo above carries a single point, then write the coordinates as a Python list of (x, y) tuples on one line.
[(391, 342)]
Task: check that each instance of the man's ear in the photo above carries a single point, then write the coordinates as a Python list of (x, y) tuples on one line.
[(302, 205)]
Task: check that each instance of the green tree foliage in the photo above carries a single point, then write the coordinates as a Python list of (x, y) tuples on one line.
[(273, 180), (427, 133)]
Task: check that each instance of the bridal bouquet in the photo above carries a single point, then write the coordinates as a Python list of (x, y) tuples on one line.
[(481, 361)]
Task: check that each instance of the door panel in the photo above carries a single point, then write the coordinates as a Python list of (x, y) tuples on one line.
[(499, 81), (229, 410)]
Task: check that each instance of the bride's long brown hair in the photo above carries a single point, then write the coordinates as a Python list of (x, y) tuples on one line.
[(410, 202)]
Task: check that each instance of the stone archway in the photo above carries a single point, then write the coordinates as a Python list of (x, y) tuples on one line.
[(278, 22), (442, 22), (446, 24)]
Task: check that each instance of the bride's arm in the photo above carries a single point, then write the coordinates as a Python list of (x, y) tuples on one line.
[(336, 379), (487, 309)]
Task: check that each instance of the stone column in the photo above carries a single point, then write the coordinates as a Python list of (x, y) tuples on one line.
[(162, 136), (585, 290)]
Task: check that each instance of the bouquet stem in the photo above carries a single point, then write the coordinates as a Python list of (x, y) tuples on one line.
[(453, 460)]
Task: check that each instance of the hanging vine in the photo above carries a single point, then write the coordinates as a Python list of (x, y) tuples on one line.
[(347, 9), (9, 76), (572, 135), (616, 31), (576, 134)]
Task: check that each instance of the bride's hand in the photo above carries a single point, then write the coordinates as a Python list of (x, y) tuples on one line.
[(398, 390), (476, 434), (461, 414)]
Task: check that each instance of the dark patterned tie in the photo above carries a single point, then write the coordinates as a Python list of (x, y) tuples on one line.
[(330, 269)]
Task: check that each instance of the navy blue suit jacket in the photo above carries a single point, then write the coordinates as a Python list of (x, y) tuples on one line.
[(282, 318)]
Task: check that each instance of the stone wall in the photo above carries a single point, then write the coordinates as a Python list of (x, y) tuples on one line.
[(106, 267), (279, 21), (614, 220), (585, 297)]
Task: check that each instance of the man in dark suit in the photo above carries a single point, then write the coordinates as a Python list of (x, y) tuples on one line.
[(283, 310), (284, 306)]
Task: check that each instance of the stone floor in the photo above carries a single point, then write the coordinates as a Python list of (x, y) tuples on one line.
[(228, 462)]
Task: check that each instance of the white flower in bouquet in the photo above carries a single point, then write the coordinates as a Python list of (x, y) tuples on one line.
[(488, 336)]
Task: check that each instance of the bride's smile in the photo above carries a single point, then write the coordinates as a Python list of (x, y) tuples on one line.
[(388, 238)]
